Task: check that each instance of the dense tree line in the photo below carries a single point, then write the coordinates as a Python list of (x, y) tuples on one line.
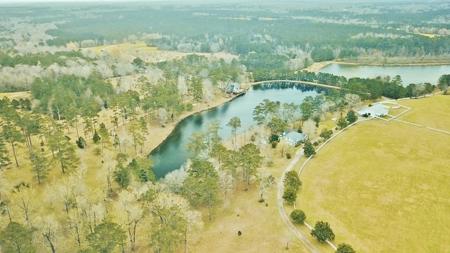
[(44, 59), (69, 96), (367, 88)]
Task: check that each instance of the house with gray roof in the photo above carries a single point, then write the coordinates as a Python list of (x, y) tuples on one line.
[(294, 138), (233, 88), (376, 110)]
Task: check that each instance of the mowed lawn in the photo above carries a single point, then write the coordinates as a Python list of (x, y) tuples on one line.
[(431, 111), (385, 186)]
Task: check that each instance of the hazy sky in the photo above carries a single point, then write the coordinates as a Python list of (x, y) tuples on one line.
[(40, 1), (206, 1), (19, 1), (35, 1)]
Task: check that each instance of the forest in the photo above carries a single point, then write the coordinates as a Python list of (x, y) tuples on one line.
[(89, 90)]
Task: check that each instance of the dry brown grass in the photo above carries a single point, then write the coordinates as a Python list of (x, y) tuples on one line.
[(429, 111), (261, 226), (383, 186)]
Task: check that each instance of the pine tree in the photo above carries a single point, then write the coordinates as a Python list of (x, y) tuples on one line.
[(16, 238), (62, 149), (96, 138), (12, 136), (39, 165), (67, 157), (4, 159)]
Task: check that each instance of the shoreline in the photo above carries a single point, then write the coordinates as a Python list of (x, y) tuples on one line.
[(174, 124), (393, 64), (317, 66)]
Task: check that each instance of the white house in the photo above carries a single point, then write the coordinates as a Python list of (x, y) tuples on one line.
[(376, 110)]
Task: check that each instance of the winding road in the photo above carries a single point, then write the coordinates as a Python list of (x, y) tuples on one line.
[(280, 202)]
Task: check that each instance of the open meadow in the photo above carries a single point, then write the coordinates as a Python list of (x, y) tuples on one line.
[(384, 186)]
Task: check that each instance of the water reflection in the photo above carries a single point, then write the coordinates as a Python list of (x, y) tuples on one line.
[(409, 74), (172, 153)]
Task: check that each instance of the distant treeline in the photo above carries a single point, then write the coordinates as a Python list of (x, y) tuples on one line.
[(44, 59)]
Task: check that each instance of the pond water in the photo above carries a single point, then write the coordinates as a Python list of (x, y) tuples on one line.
[(409, 74), (172, 153)]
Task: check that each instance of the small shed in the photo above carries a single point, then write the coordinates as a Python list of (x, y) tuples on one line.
[(233, 88), (294, 138), (376, 110)]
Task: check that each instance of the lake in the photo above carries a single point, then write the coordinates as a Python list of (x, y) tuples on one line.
[(409, 74), (172, 153)]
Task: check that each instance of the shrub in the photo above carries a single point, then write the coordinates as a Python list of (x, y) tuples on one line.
[(292, 180), (326, 134), (189, 107), (81, 143), (309, 149), (288, 155), (322, 231), (274, 138), (96, 138), (344, 248), (342, 123), (298, 216), (290, 195), (274, 144), (351, 117), (122, 177)]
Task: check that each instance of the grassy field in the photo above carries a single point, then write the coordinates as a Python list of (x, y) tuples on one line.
[(116, 48), (150, 54), (15, 95), (430, 111), (262, 228), (384, 186)]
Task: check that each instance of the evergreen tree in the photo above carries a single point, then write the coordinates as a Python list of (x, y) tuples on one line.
[(62, 149), (290, 195), (309, 149), (142, 169), (342, 123), (351, 117), (16, 238), (201, 187), (104, 135), (344, 248), (135, 129), (96, 138), (169, 229), (122, 177), (39, 164), (234, 123), (298, 216), (106, 237), (322, 231), (12, 136), (250, 159), (4, 159)]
